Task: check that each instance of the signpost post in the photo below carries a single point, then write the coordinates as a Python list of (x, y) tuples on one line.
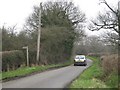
[(27, 54)]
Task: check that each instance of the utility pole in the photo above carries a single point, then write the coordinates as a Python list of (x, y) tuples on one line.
[(119, 35), (39, 33), (119, 22)]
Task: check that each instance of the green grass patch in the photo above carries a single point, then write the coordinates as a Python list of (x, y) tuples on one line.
[(94, 77), (112, 80), (89, 78), (29, 70)]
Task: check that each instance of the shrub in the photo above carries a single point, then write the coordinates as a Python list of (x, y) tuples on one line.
[(12, 59), (32, 56), (95, 54), (109, 63)]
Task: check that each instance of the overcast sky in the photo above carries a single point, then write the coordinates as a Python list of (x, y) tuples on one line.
[(14, 12)]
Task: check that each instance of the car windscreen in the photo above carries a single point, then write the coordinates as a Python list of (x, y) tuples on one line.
[(76, 57), (80, 57)]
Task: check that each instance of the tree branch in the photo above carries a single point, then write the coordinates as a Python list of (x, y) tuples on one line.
[(110, 7)]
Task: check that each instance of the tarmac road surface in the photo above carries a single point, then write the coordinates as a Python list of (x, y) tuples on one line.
[(58, 78)]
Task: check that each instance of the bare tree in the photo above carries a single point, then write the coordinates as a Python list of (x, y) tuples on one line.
[(109, 20)]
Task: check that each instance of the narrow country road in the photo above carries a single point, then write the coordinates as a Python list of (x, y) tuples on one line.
[(57, 78)]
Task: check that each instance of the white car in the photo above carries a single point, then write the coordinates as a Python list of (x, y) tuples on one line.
[(80, 60)]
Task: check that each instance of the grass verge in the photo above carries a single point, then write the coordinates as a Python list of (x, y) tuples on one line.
[(93, 77), (24, 71)]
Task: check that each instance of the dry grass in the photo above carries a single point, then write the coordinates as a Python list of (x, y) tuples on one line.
[(109, 63)]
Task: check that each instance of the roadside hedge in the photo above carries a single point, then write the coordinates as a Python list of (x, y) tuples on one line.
[(12, 60)]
